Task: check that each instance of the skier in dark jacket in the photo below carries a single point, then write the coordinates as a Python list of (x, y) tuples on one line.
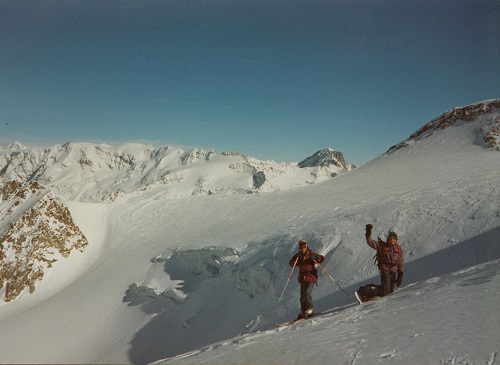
[(390, 260), (306, 260)]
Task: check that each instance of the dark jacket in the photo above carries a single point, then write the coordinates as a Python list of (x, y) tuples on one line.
[(307, 266), (390, 258)]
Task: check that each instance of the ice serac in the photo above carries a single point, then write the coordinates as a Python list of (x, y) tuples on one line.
[(36, 231), (485, 113)]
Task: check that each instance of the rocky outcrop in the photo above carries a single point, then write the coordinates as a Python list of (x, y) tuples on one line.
[(487, 111), (37, 231)]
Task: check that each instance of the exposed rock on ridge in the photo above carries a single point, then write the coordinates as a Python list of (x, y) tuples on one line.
[(489, 110), (36, 231)]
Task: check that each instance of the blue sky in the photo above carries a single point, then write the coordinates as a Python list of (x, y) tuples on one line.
[(274, 79)]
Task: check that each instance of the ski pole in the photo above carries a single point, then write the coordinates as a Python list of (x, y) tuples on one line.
[(326, 272), (289, 277)]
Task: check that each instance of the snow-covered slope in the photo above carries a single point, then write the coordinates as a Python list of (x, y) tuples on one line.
[(172, 276)]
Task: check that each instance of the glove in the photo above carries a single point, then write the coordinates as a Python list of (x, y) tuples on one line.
[(399, 280), (369, 228)]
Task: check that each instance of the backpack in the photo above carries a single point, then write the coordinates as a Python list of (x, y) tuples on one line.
[(368, 292)]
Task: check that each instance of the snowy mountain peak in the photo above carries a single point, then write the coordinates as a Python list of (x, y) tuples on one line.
[(485, 113), (17, 146), (326, 157)]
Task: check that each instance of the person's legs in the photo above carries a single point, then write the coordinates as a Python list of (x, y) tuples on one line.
[(385, 284), (392, 282), (303, 297), (309, 297), (306, 300)]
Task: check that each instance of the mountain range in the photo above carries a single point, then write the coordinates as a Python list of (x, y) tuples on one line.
[(102, 173)]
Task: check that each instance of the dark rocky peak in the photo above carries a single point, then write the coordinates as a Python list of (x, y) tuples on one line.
[(325, 157)]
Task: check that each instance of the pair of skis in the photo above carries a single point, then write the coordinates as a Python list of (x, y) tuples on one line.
[(319, 314), (298, 320)]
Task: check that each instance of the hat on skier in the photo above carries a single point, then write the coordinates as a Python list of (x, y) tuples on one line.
[(302, 243), (392, 234)]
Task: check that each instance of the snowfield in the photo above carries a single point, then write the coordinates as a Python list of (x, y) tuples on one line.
[(192, 279)]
